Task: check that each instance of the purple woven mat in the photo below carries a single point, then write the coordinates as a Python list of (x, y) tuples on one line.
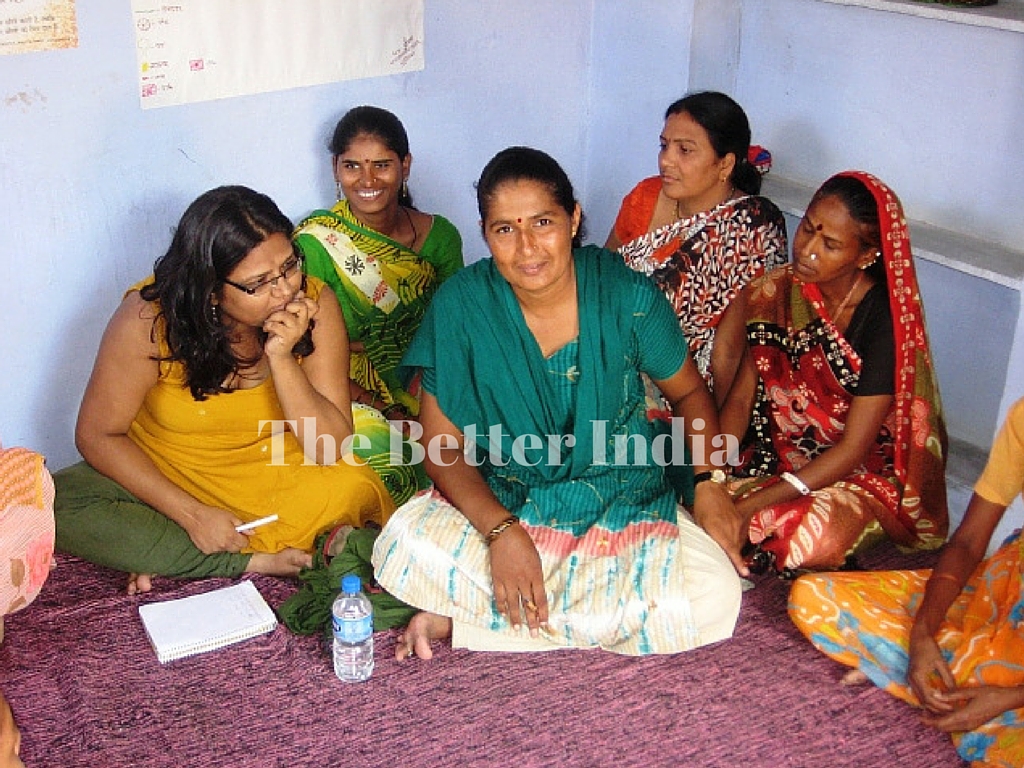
[(87, 690)]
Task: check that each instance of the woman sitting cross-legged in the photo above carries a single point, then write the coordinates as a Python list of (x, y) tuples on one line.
[(219, 396), (950, 640), (836, 401), (544, 537)]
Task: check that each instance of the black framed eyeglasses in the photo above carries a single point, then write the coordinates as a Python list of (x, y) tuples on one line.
[(289, 269)]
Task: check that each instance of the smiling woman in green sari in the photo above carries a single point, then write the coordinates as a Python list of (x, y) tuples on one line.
[(384, 260)]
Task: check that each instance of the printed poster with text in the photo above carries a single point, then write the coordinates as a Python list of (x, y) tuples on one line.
[(37, 25), (198, 50)]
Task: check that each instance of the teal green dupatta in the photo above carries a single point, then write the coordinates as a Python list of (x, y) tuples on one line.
[(492, 370)]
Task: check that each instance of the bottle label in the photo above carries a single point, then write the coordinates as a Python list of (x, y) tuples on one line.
[(353, 630)]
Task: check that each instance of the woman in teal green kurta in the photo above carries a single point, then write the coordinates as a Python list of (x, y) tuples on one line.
[(616, 560)]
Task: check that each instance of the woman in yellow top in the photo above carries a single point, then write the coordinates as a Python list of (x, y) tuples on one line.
[(218, 398)]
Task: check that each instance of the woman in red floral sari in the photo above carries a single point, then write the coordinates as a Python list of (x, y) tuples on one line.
[(843, 440)]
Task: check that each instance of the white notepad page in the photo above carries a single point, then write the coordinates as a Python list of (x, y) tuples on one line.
[(199, 623)]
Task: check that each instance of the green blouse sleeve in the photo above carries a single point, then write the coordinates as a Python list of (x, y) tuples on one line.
[(443, 248), (663, 346)]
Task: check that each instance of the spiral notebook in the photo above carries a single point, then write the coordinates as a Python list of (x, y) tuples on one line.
[(199, 623)]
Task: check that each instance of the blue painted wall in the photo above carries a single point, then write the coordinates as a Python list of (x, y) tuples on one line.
[(91, 184)]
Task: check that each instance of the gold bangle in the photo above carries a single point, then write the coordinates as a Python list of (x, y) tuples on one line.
[(499, 529)]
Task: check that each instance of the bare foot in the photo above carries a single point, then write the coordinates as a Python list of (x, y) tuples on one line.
[(10, 738), (854, 677), (287, 562), (424, 627), (138, 583)]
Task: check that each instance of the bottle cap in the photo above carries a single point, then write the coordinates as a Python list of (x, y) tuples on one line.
[(350, 584)]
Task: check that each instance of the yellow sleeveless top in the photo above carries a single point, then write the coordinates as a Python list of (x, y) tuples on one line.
[(218, 451)]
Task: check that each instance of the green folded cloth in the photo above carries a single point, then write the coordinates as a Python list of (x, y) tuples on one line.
[(308, 611)]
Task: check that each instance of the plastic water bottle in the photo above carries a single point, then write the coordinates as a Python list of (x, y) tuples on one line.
[(353, 632)]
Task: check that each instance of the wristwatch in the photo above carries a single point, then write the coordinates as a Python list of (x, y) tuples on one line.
[(714, 475)]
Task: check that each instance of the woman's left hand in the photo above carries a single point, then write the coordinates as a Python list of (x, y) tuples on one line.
[(286, 326), (974, 707), (928, 673), (519, 579)]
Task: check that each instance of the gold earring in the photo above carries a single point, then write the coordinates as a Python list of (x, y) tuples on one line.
[(877, 255)]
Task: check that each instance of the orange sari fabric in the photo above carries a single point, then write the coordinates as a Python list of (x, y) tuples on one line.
[(863, 620)]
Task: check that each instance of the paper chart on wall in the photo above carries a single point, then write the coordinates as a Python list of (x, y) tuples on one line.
[(198, 50), (37, 25)]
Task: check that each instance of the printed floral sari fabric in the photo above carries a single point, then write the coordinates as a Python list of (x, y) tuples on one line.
[(383, 288), (863, 620), (26, 527), (701, 262), (807, 375)]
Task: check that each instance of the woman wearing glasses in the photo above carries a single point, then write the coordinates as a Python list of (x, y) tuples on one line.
[(217, 399)]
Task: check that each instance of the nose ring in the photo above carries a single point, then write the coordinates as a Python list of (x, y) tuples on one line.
[(813, 257)]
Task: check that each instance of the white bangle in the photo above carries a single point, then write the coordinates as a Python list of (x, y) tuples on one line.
[(796, 482)]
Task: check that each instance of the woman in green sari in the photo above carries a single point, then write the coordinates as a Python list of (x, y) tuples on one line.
[(384, 260)]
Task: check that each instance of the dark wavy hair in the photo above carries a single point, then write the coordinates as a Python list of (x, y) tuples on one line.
[(728, 129), (860, 203), (526, 163), (376, 122), (215, 233)]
